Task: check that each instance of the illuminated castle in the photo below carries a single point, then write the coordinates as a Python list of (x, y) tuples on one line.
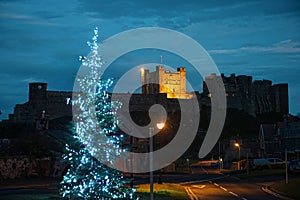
[(162, 87), (163, 81)]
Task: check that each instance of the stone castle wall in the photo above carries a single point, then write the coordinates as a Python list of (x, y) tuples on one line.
[(42, 104), (253, 97)]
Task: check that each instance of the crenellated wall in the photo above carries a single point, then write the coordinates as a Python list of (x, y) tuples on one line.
[(253, 97)]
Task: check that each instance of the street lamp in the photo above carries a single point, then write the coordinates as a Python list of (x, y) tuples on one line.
[(239, 148), (159, 125)]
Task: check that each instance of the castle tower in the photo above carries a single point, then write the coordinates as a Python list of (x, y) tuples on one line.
[(182, 72), (38, 99), (37, 92), (164, 81), (280, 98)]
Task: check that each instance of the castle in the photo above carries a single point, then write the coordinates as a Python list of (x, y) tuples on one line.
[(254, 97), (162, 87)]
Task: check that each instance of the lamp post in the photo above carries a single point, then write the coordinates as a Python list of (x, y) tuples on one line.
[(159, 125), (239, 148), (188, 164), (131, 174)]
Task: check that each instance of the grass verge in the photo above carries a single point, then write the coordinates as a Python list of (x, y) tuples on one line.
[(163, 191), (290, 190)]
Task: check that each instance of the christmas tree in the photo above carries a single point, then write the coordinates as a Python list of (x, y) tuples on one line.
[(94, 140)]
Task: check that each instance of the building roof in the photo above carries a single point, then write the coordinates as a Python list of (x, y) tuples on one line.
[(268, 131)]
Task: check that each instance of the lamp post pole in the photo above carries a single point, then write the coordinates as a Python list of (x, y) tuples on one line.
[(286, 168), (151, 130), (239, 149), (159, 125), (131, 160)]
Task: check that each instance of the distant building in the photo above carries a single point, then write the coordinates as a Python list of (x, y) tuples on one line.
[(290, 137), (269, 142), (163, 81), (274, 139), (254, 97)]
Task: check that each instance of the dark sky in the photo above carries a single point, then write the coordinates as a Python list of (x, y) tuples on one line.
[(41, 40)]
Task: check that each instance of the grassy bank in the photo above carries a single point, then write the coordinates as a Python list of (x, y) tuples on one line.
[(290, 190), (163, 192)]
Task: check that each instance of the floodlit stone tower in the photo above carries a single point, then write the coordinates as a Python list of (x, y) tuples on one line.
[(164, 81)]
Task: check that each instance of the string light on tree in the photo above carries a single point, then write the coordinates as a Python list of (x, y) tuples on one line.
[(87, 177)]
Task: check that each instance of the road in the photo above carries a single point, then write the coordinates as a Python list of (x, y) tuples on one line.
[(204, 185), (220, 187), (210, 184)]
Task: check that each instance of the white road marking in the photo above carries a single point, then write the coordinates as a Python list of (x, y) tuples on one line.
[(223, 188), (234, 194)]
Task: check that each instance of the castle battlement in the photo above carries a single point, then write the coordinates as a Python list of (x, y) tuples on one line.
[(254, 97), (165, 81)]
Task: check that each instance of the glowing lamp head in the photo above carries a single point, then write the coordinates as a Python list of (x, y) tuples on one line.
[(160, 125), (236, 144)]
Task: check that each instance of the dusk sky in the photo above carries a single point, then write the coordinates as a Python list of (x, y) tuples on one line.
[(41, 40)]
